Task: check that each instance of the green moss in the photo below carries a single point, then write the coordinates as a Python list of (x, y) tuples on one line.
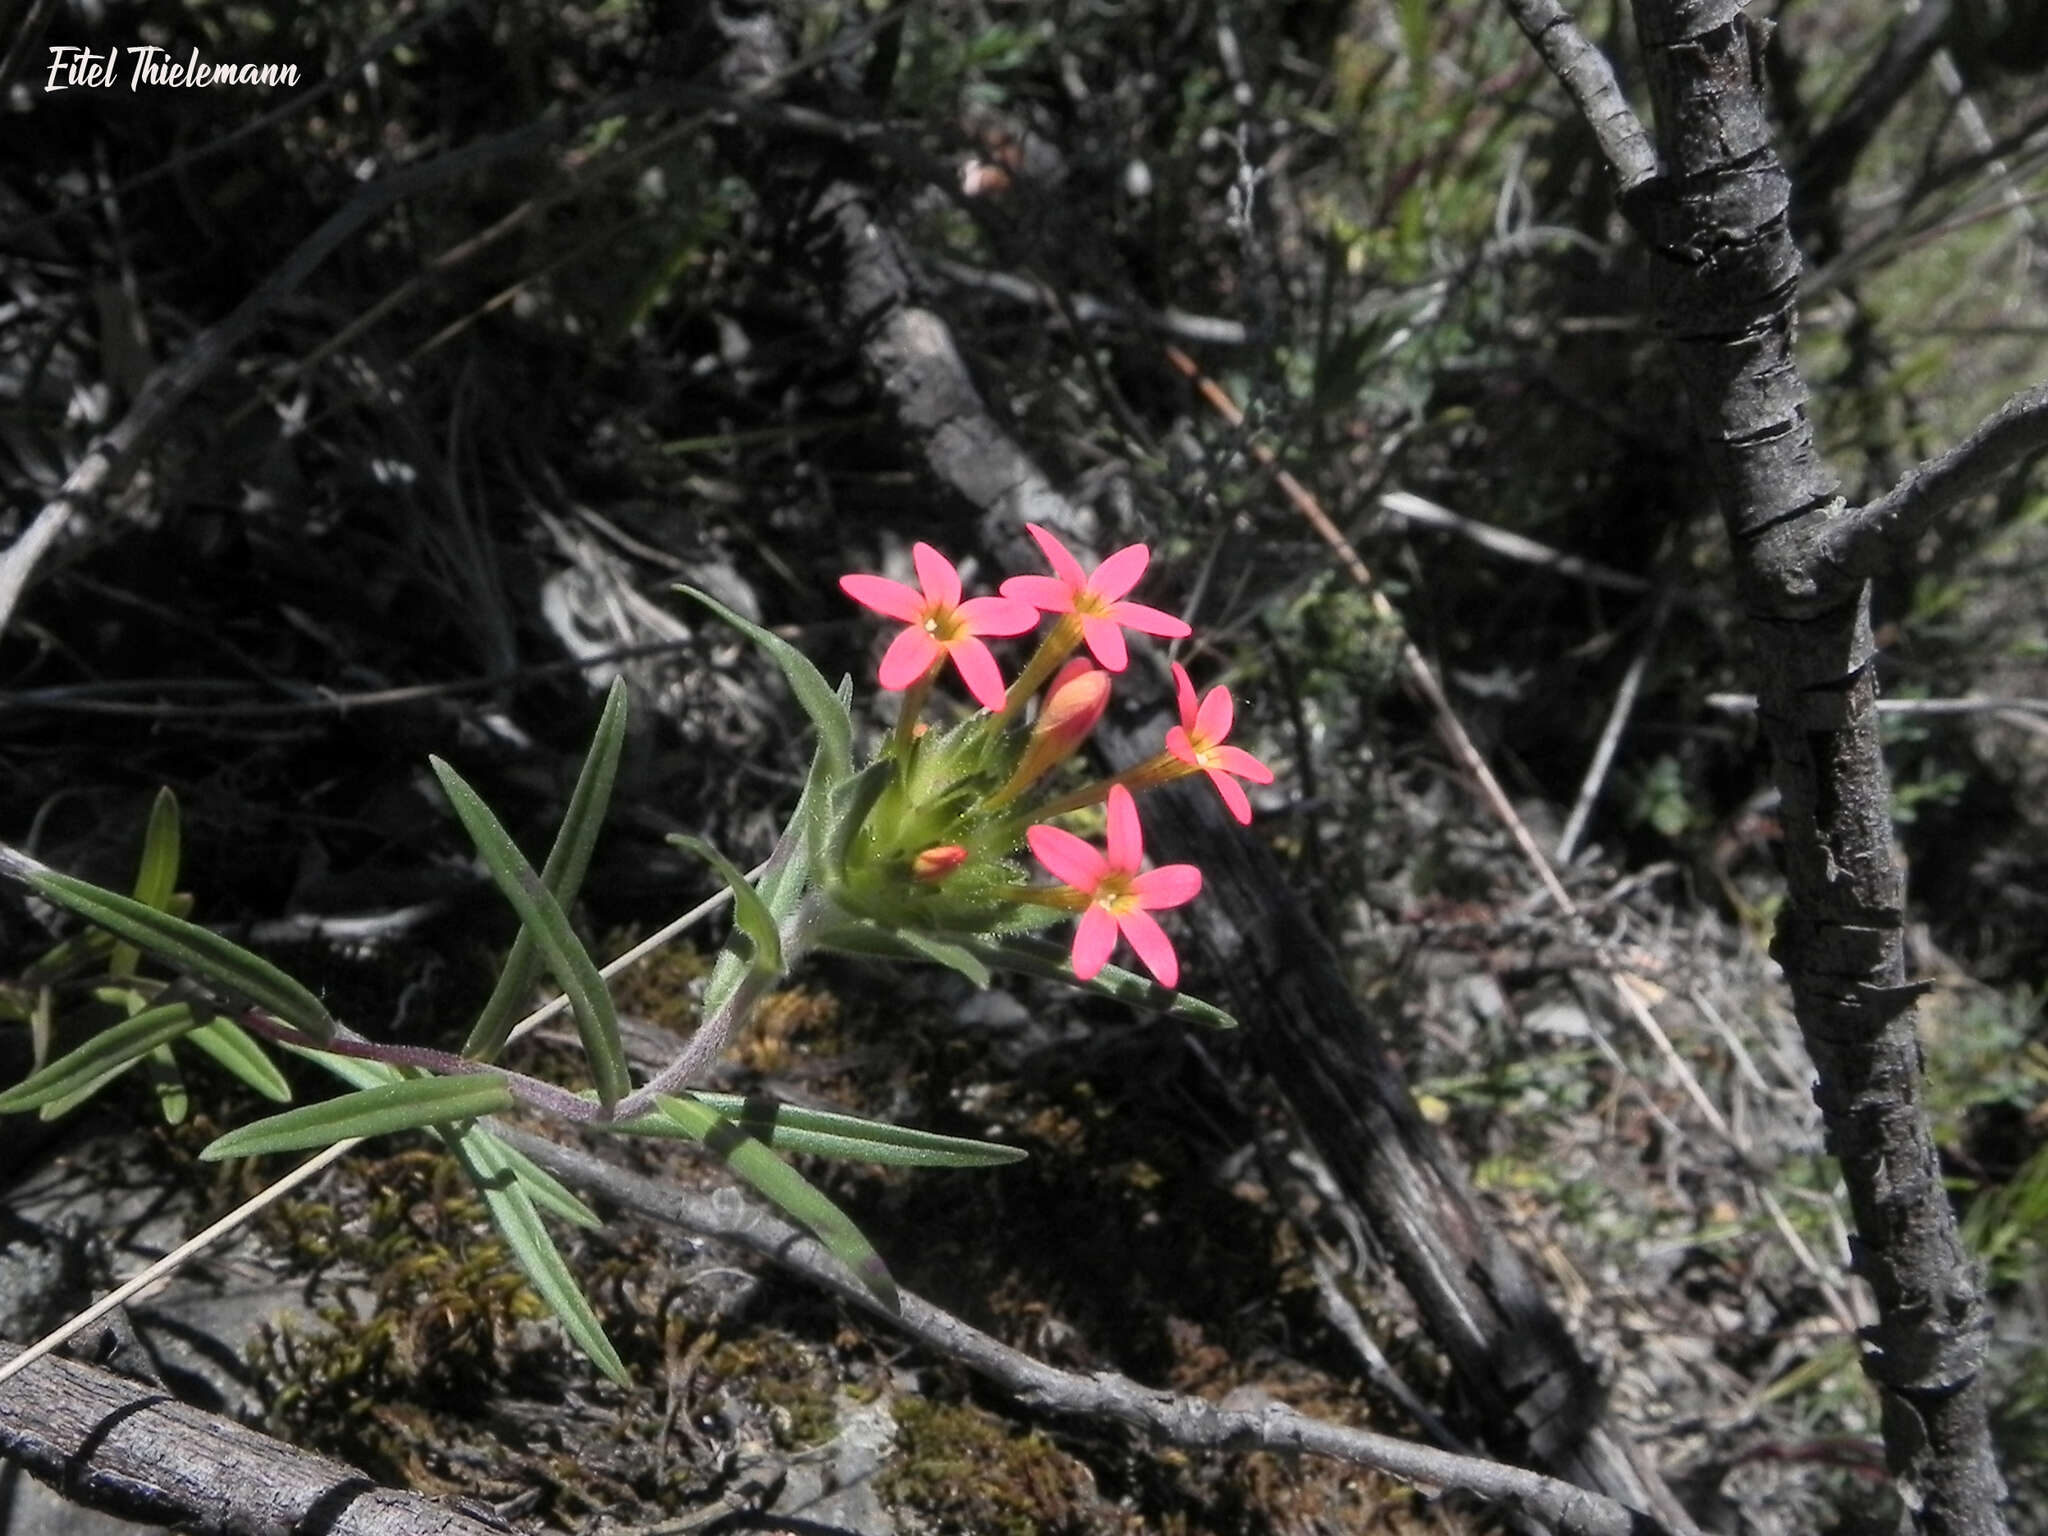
[(791, 1381), (970, 1472)]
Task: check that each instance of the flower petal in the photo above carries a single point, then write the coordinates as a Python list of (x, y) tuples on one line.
[(1178, 743), (909, 657), (885, 596), (1150, 621), (1184, 695), (1106, 641), (1240, 762), (1126, 837), (1213, 723), (1093, 941), (1067, 858), (1233, 796), (936, 575), (1152, 945), (1064, 565), (1041, 592), (998, 616), (1170, 885), (978, 670), (1120, 572)]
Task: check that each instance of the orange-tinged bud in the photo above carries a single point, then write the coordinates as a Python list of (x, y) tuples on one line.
[(1075, 702), (934, 864)]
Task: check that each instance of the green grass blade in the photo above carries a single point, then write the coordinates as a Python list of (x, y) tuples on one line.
[(823, 1133), (1042, 957), (750, 913), (187, 947), (401, 1106), (596, 1022), (102, 1058), (156, 878), (518, 1219), (563, 873), (232, 1048), (801, 1200), (832, 718)]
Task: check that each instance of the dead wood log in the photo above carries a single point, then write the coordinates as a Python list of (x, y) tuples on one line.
[(130, 1449)]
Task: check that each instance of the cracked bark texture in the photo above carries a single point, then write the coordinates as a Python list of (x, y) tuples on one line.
[(1726, 271)]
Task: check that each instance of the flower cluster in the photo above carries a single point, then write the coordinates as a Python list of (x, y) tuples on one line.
[(938, 849)]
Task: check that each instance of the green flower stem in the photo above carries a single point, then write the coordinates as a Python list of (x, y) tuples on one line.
[(1150, 774), (907, 717), (800, 932), (1059, 643)]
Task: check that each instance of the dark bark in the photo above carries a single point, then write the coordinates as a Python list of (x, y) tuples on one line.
[(1726, 273), (128, 1448), (1536, 1395)]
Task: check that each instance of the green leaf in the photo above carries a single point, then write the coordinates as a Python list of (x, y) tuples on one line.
[(801, 1200), (401, 1106), (788, 874), (230, 1045), (545, 1190), (749, 911), (851, 802), (513, 1208), (823, 1133), (596, 1022), (156, 878), (831, 716), (955, 957), (1042, 957), (563, 874), (172, 1101), (102, 1058), (188, 947)]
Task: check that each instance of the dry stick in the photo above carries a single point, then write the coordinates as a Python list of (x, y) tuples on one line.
[(1413, 664), (1190, 1422), (1410, 508), (1610, 739), (256, 1204)]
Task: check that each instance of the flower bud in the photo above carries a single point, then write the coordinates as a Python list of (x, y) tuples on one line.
[(1073, 704), (934, 864)]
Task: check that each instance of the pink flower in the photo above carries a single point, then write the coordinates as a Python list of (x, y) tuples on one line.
[(1198, 741), (1119, 898), (940, 625), (1095, 597)]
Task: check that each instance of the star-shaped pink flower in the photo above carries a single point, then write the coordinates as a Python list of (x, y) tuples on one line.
[(940, 625), (1198, 741), (1096, 597), (1119, 898)]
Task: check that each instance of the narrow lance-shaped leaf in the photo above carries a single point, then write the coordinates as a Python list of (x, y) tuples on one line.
[(512, 1208), (1039, 957), (168, 1083), (401, 1106), (107, 1054), (750, 913), (229, 1045), (822, 1133), (547, 1192), (752, 1160), (188, 947), (563, 874), (596, 1022), (828, 714), (156, 877), (789, 870), (883, 943)]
